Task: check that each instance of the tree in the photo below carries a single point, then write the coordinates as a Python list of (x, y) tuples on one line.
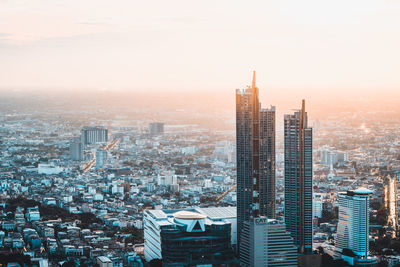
[(382, 264), (70, 263), (15, 257), (155, 263)]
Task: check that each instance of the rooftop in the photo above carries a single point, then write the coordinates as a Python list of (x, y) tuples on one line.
[(188, 215)]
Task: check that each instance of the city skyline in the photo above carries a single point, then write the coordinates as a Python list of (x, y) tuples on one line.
[(130, 137)]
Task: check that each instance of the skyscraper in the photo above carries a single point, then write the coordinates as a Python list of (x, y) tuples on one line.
[(298, 179), (267, 163), (255, 144), (353, 227)]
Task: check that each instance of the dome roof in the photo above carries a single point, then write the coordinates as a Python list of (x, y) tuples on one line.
[(362, 190), (188, 215)]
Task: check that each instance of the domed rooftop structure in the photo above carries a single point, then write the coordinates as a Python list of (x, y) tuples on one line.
[(188, 215), (363, 191)]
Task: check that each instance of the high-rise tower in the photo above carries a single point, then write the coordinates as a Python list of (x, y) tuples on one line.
[(255, 143), (298, 179), (352, 242)]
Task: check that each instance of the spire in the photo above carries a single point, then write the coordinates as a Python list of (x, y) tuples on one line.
[(303, 113), (254, 79)]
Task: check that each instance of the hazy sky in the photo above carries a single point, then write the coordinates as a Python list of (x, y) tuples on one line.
[(335, 46)]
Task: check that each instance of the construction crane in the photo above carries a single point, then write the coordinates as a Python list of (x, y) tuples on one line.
[(221, 197)]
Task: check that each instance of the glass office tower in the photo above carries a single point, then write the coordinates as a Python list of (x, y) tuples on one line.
[(255, 144), (298, 179)]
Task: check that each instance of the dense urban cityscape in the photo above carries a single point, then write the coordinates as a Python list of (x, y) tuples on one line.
[(131, 192), (183, 133)]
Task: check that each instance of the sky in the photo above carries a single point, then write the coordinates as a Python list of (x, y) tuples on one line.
[(298, 48)]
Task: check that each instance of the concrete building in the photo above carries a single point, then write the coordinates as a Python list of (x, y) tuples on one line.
[(49, 169), (317, 206), (76, 149), (103, 261), (94, 135), (101, 158)]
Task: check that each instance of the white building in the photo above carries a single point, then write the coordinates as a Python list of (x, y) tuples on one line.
[(265, 242), (317, 206), (76, 149), (49, 169), (103, 261), (33, 214), (353, 227), (167, 179)]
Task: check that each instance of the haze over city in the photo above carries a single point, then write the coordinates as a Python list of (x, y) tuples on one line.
[(323, 51)]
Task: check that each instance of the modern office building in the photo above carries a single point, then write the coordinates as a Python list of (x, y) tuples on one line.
[(267, 162), (255, 154), (76, 149), (265, 242), (299, 179), (188, 237), (94, 135), (353, 227), (156, 128), (101, 158)]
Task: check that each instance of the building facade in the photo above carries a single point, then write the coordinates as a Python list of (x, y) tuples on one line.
[(266, 243), (255, 157), (267, 162), (299, 179), (353, 226), (94, 135), (76, 150), (101, 158), (187, 238)]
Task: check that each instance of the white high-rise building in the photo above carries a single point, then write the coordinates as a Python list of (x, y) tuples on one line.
[(353, 227), (265, 242)]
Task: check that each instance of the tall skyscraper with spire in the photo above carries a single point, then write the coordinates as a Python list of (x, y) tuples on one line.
[(255, 143), (298, 179)]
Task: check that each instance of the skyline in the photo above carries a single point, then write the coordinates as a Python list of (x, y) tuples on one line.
[(322, 49), (132, 133)]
